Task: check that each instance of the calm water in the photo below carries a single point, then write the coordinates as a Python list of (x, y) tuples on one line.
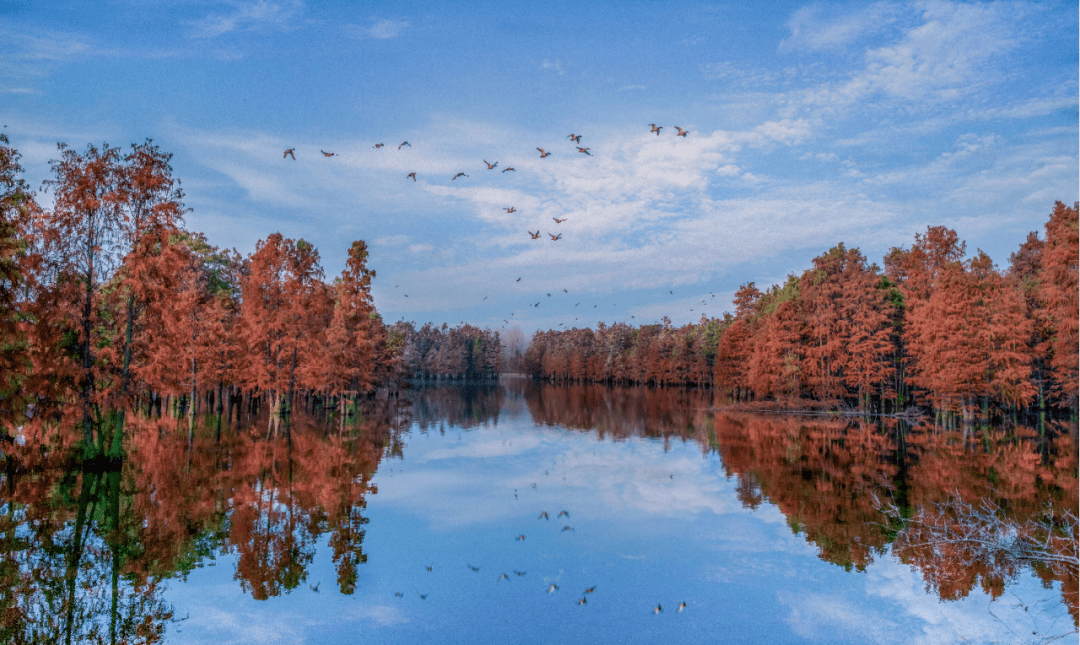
[(764, 526)]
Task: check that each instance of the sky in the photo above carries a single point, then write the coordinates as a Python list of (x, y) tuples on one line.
[(809, 124)]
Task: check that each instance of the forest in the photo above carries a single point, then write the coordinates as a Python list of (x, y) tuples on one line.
[(933, 329), (110, 306)]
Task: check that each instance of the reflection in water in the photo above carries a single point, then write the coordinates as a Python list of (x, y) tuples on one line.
[(85, 550)]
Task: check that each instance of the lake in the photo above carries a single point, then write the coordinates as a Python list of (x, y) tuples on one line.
[(522, 512)]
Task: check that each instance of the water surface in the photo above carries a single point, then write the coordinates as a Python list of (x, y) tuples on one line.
[(768, 528)]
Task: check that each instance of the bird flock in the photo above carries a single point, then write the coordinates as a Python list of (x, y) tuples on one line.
[(290, 153), (550, 588)]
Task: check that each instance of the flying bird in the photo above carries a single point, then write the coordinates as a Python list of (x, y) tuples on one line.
[(289, 153), (682, 133), (411, 174), (559, 221), (316, 587), (328, 154), (582, 601), (460, 174), (656, 128), (567, 528), (430, 567), (519, 573), (491, 166), (565, 291), (509, 168), (564, 513), (378, 145), (510, 210), (591, 589), (576, 138), (543, 516), (520, 538), (554, 587), (535, 236), (682, 606), (404, 143), (585, 150), (473, 568), (423, 596), (657, 609), (555, 237), (543, 153), (503, 577), (398, 594)]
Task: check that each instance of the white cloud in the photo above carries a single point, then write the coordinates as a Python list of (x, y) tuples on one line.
[(555, 65), (811, 30), (382, 29), (251, 15)]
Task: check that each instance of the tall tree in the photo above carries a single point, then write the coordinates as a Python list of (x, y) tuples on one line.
[(81, 248), (1059, 293), (16, 205)]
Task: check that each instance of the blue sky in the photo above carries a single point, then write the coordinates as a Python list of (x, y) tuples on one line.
[(810, 124)]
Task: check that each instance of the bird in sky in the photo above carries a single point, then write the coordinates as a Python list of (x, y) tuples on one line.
[(682, 606), (564, 513), (559, 221), (509, 168), (535, 236), (582, 601), (404, 143), (565, 291), (519, 573), (553, 588), (537, 304), (543, 153), (491, 166), (585, 151), (328, 154), (289, 153), (575, 138), (543, 516), (315, 588), (398, 594), (555, 237), (656, 128), (503, 577), (510, 210), (567, 528), (520, 538), (591, 589), (378, 145), (460, 174), (430, 567), (682, 133), (657, 609), (423, 596), (411, 174), (473, 568)]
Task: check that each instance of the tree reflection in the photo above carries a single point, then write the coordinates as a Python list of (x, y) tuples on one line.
[(87, 547), (828, 475)]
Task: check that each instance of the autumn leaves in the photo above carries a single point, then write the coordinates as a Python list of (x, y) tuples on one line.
[(113, 301), (953, 334)]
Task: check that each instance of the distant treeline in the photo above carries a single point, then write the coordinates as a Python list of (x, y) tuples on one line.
[(931, 328), (432, 352)]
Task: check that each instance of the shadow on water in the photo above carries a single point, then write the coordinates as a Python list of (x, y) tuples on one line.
[(84, 551)]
